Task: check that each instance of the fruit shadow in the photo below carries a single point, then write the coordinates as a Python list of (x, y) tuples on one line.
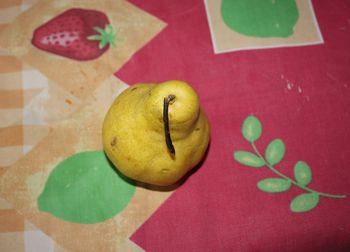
[(158, 187), (122, 176)]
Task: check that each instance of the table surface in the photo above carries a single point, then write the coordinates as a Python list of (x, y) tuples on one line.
[(273, 78)]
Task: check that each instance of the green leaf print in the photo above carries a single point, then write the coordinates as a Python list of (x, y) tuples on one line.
[(85, 188)]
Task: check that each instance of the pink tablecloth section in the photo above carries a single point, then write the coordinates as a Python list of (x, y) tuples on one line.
[(301, 95)]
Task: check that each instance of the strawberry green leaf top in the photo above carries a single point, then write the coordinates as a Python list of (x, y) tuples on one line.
[(105, 37)]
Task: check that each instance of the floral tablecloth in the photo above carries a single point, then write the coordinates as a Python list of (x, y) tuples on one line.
[(273, 77)]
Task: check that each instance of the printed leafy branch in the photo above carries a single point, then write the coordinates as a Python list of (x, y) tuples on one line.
[(274, 153)]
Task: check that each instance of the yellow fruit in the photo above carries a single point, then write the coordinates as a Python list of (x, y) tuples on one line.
[(134, 137)]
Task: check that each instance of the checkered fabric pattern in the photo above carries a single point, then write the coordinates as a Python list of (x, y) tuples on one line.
[(10, 9), (18, 86), (16, 137), (24, 92), (23, 123)]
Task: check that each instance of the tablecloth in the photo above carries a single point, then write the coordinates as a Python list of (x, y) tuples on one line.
[(271, 75)]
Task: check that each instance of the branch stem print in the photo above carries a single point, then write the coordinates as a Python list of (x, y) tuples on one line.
[(274, 153)]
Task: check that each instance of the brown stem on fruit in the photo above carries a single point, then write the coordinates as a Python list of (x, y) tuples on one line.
[(169, 143)]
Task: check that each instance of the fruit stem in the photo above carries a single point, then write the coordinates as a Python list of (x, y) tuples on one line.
[(169, 143)]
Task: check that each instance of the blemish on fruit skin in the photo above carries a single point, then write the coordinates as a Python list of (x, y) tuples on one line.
[(164, 170), (134, 88), (197, 129), (114, 142)]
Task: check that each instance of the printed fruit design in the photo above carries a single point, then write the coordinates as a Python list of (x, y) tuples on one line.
[(260, 18), (79, 34)]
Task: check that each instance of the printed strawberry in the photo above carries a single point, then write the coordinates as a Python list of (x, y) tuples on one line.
[(78, 34)]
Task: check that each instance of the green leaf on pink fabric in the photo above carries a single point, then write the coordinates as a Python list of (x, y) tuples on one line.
[(275, 152), (302, 173), (304, 202), (274, 185), (248, 159), (251, 129)]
